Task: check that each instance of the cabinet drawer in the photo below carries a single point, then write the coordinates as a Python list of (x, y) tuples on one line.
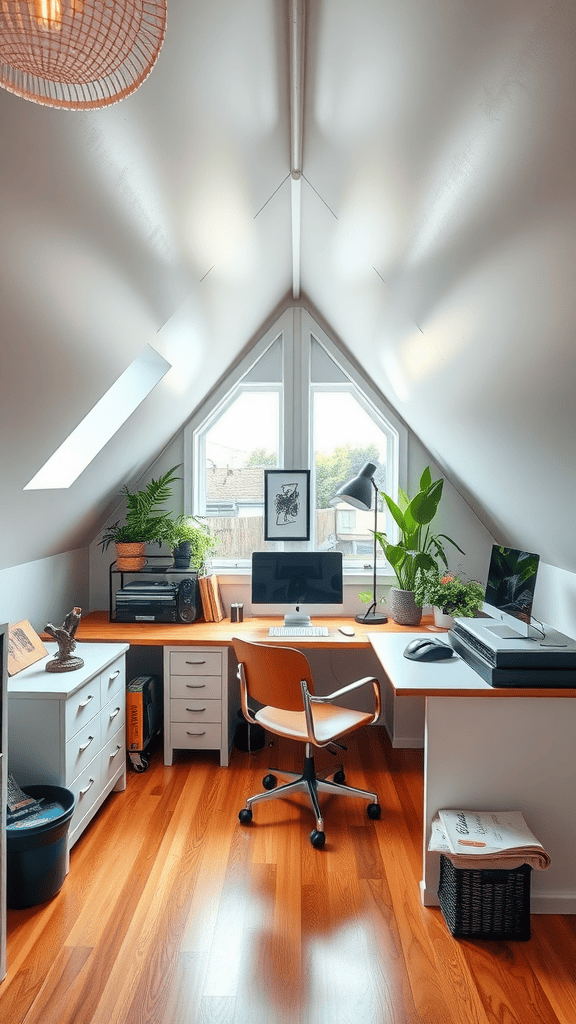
[(113, 756), (82, 748), (198, 686), (195, 710), (86, 788), (113, 680), (195, 663), (191, 736), (82, 706), (113, 716)]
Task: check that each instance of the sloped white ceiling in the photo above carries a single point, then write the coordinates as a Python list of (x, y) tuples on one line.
[(438, 240)]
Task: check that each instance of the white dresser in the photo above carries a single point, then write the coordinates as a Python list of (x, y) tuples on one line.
[(200, 700), (68, 728)]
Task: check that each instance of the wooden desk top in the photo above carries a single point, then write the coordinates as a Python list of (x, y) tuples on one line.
[(96, 627)]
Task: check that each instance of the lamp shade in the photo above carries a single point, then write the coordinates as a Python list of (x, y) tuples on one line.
[(358, 491), (79, 54)]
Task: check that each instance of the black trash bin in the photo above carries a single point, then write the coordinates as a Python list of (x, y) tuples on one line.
[(36, 855)]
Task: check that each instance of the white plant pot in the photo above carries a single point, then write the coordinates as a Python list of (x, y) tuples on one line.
[(440, 619)]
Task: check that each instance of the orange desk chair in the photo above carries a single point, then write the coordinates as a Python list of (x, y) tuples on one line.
[(280, 679)]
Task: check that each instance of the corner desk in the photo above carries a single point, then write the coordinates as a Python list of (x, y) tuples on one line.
[(485, 748)]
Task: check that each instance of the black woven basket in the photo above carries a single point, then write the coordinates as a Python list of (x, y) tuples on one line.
[(485, 904)]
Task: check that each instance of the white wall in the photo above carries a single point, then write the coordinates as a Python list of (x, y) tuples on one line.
[(45, 590)]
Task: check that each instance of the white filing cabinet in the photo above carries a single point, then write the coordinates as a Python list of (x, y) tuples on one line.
[(200, 700), (68, 728)]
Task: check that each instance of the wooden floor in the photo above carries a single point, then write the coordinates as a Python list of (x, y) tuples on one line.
[(174, 913)]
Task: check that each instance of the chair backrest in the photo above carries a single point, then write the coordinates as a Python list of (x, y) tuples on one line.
[(273, 674)]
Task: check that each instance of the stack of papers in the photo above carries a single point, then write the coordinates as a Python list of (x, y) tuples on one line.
[(486, 840)]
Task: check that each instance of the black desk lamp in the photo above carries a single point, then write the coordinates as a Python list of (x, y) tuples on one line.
[(358, 492)]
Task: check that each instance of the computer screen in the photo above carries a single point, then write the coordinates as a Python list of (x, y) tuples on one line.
[(511, 584), (290, 580)]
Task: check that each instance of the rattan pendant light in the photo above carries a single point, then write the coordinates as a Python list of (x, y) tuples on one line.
[(78, 54)]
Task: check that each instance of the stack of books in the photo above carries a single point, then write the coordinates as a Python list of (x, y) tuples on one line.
[(212, 607)]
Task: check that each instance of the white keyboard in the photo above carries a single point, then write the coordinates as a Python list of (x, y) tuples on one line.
[(298, 631)]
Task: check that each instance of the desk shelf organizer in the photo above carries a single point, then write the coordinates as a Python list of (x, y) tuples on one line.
[(485, 904), (155, 568)]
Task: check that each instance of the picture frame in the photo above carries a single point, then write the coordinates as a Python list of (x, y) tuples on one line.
[(286, 504), (24, 647)]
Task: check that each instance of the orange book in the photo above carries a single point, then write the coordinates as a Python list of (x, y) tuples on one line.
[(205, 598), (215, 599)]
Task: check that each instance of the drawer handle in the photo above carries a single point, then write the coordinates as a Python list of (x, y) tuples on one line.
[(113, 676), (188, 733), (112, 756), (87, 701), (85, 745), (196, 686), (203, 662), (114, 713), (196, 710), (89, 786)]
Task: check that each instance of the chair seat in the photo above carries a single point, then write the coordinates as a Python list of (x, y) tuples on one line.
[(330, 721)]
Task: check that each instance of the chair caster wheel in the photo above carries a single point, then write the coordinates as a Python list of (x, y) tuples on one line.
[(245, 816), (317, 838), (374, 811), (339, 777), (269, 781)]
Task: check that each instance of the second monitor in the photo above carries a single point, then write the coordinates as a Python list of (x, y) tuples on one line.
[(293, 580)]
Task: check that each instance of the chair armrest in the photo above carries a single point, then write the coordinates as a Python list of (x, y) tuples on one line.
[(310, 699), (329, 697)]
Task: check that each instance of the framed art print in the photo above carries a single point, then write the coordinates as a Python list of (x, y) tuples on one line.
[(286, 504)]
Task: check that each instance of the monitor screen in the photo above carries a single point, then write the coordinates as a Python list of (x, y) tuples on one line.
[(511, 584), (294, 578)]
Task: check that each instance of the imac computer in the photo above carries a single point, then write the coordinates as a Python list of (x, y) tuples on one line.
[(291, 582), (510, 590)]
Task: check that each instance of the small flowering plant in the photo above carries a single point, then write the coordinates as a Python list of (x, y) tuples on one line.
[(448, 592)]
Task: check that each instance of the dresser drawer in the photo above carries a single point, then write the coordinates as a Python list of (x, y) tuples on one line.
[(113, 756), (195, 663), (113, 716), (195, 710), (82, 706), (199, 736), (86, 788), (82, 748), (199, 687), (113, 680)]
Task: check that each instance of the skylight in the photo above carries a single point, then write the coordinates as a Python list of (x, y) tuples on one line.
[(102, 422)]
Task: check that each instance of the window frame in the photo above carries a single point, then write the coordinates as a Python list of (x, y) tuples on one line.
[(296, 330)]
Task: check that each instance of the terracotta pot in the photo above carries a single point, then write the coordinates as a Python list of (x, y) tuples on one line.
[(130, 557), (405, 611)]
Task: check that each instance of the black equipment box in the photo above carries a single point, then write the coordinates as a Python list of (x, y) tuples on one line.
[(526, 678)]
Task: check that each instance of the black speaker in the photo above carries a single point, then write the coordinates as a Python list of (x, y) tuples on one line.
[(188, 604)]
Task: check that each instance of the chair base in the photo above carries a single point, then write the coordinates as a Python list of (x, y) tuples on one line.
[(311, 783)]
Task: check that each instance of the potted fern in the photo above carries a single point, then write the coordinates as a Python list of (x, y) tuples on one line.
[(190, 541), (448, 594), (145, 522), (417, 548)]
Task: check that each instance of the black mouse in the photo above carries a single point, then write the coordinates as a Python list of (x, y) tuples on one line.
[(427, 649)]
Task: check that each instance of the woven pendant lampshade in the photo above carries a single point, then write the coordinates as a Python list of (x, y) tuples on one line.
[(78, 54)]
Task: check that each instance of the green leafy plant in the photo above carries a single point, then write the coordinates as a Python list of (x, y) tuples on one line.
[(146, 519), (188, 528), (448, 592), (417, 548)]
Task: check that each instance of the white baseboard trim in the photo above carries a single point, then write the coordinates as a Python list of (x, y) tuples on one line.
[(540, 903)]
